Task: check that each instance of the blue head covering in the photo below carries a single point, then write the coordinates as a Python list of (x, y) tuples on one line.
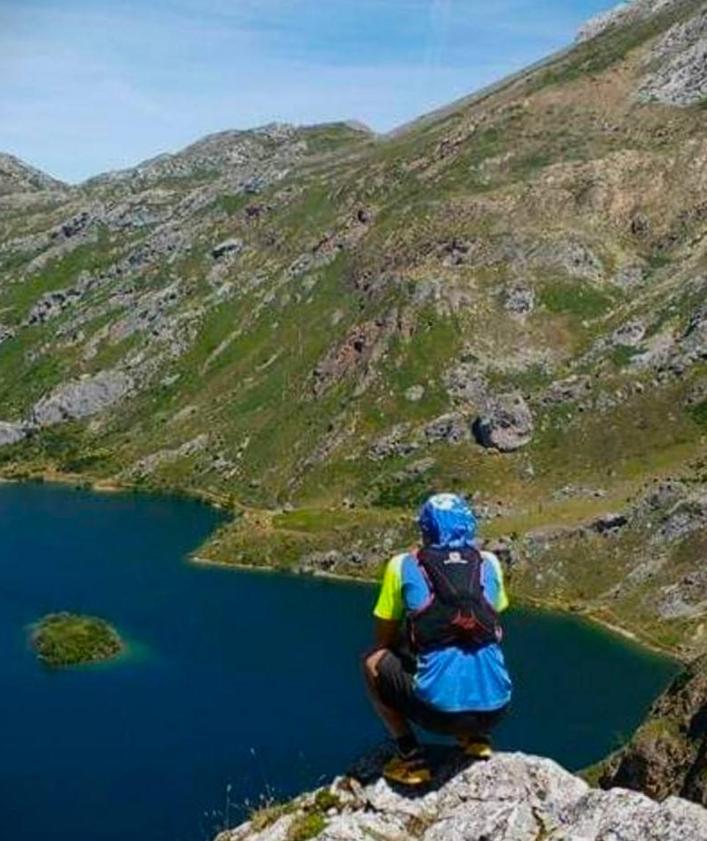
[(447, 521)]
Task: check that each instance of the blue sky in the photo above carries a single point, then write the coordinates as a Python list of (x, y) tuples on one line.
[(92, 85)]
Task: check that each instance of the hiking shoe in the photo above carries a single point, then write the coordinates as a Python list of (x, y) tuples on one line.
[(475, 747), (408, 771)]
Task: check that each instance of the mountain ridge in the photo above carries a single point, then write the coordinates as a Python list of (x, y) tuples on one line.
[(317, 327)]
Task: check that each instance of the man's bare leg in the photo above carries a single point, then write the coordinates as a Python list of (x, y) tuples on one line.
[(408, 766), (395, 721)]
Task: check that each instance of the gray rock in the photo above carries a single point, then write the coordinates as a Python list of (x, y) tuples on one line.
[(228, 246), (415, 393), (680, 77), (6, 333), (601, 22), (571, 389), (82, 398), (18, 177), (465, 382), (331, 560), (454, 428), (397, 442), (572, 255), (630, 275), (623, 14), (609, 524), (513, 797), (507, 424), (630, 334), (13, 433), (520, 300)]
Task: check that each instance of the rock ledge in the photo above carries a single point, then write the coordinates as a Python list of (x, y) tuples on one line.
[(513, 797)]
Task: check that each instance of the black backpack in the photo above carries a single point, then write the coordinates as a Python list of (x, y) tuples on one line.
[(457, 613)]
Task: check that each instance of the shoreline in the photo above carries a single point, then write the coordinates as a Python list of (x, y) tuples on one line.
[(521, 601), (115, 486), (219, 502)]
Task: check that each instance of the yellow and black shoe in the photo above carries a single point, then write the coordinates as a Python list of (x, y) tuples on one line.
[(408, 770), (475, 747)]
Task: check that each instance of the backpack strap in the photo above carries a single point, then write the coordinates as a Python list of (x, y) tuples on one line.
[(440, 584)]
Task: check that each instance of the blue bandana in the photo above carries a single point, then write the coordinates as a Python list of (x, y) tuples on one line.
[(447, 521)]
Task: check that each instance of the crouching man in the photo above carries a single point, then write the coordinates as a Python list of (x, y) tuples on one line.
[(437, 661)]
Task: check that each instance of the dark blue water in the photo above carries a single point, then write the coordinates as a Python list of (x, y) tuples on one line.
[(233, 678)]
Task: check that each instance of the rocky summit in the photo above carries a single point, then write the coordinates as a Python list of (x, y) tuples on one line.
[(513, 797), (317, 326)]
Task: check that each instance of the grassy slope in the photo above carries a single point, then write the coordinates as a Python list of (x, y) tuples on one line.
[(564, 153)]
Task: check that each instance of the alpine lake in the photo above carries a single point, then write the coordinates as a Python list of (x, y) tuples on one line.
[(236, 686)]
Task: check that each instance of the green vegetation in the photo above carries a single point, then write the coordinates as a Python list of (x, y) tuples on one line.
[(267, 814), (600, 54), (699, 413), (310, 818), (306, 826), (65, 639), (579, 299), (622, 355)]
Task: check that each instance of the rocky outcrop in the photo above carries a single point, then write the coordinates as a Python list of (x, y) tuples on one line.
[(6, 333), (230, 247), (18, 177), (520, 300), (238, 151), (622, 15), (678, 65), (358, 354), (82, 398), (13, 433), (668, 754), (506, 425), (513, 797)]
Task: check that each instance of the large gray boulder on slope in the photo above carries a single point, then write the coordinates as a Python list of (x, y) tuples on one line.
[(82, 398), (506, 425), (513, 797), (12, 433)]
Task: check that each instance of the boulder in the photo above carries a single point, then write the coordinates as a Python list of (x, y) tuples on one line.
[(415, 393), (520, 300), (13, 433), (228, 246), (6, 333), (82, 398), (570, 390), (630, 334), (454, 428), (507, 425)]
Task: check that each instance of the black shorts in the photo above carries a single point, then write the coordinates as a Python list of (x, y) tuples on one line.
[(395, 685)]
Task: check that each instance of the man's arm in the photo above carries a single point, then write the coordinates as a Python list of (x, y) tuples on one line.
[(389, 610), (387, 632), (494, 586)]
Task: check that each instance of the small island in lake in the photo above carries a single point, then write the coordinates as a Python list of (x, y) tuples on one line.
[(66, 639)]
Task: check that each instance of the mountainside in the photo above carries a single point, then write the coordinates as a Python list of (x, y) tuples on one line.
[(19, 177), (667, 756), (511, 798), (317, 326)]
